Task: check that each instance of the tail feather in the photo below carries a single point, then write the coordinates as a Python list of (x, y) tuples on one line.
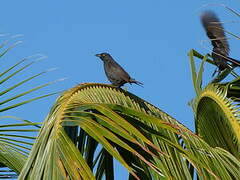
[(136, 82)]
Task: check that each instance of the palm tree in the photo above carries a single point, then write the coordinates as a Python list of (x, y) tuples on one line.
[(91, 125)]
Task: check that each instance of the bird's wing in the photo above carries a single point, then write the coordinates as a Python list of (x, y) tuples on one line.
[(119, 72), (215, 31)]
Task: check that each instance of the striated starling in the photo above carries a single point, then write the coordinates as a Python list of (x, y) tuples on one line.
[(215, 33), (115, 73)]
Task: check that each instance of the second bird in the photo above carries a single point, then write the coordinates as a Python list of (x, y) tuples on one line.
[(114, 72), (216, 34)]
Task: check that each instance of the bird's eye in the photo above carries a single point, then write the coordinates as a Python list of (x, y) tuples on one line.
[(103, 55)]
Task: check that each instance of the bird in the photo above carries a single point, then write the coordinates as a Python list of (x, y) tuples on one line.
[(216, 34), (114, 72)]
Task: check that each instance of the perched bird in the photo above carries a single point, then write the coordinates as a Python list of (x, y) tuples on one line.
[(114, 72), (215, 33)]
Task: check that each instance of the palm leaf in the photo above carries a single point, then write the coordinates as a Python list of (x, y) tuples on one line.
[(16, 135), (141, 137), (216, 110), (217, 119)]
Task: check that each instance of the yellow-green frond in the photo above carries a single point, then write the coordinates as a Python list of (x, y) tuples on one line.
[(217, 118), (91, 124)]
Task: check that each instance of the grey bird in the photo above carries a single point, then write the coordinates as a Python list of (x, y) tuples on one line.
[(215, 33), (114, 72)]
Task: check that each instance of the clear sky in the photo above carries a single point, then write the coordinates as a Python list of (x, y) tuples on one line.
[(150, 39)]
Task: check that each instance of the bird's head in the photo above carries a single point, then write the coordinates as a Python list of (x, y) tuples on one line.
[(104, 56)]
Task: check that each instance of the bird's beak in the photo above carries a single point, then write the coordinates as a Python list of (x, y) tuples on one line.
[(98, 55)]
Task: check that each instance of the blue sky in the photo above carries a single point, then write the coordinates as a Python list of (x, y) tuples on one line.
[(150, 39)]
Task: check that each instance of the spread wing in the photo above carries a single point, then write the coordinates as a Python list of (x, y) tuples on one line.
[(215, 31)]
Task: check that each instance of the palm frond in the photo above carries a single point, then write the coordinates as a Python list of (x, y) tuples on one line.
[(216, 109), (217, 119), (16, 138), (141, 137)]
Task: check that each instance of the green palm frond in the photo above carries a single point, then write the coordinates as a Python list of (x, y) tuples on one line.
[(16, 135), (104, 122), (216, 109), (16, 139), (217, 119)]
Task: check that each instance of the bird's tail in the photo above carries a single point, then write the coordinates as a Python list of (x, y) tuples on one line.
[(136, 82)]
